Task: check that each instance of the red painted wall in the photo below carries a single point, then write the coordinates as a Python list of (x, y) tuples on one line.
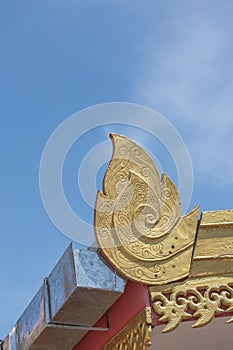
[(134, 299)]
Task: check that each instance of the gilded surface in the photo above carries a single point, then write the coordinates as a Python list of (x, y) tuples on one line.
[(141, 232), (193, 299), (138, 221), (136, 335), (208, 290), (213, 254)]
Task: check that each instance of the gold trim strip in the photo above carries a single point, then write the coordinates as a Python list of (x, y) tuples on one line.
[(217, 224), (217, 218), (213, 252)]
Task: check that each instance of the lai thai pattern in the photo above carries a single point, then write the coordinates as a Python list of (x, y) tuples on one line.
[(197, 299), (136, 335), (138, 220)]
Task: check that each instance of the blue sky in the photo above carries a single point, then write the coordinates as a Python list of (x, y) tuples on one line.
[(58, 57)]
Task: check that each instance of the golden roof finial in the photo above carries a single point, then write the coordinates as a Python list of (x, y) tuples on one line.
[(138, 222)]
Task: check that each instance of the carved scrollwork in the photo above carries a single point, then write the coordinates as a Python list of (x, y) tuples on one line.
[(138, 221), (194, 299), (136, 334)]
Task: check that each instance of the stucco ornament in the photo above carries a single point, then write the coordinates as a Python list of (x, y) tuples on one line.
[(138, 222)]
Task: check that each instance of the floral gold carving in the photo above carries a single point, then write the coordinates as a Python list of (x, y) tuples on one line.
[(200, 299), (138, 222), (136, 335)]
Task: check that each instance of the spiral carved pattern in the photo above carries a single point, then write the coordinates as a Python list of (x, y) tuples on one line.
[(138, 221)]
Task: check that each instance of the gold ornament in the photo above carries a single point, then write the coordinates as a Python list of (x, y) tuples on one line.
[(199, 299), (138, 222), (135, 335)]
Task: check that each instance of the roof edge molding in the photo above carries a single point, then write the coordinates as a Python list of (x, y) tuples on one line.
[(80, 289)]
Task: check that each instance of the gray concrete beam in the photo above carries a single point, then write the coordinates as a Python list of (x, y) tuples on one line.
[(78, 292)]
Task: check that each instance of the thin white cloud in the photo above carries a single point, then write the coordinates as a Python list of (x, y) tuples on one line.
[(189, 79)]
